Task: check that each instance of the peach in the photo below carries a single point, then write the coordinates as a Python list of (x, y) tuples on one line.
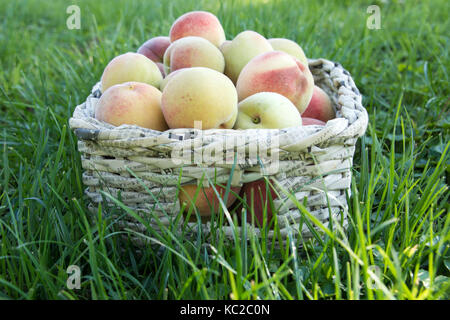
[(133, 103), (279, 72), (161, 69), (257, 199), (130, 67), (206, 201), (198, 23), (267, 110), (311, 122), (155, 48), (320, 106), (241, 50), (168, 78), (224, 44), (200, 94), (289, 46), (191, 52)]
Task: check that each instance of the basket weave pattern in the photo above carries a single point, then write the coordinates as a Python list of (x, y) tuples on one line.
[(314, 161)]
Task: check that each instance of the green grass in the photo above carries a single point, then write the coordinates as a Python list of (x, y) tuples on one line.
[(398, 237)]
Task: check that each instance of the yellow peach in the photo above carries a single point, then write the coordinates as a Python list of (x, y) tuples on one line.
[(191, 52), (241, 50), (200, 94), (289, 46), (130, 67), (267, 110), (168, 78)]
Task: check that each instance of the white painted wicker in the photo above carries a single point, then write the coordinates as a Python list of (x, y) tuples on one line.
[(314, 161)]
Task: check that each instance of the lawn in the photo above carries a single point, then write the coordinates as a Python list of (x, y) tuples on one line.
[(397, 242)]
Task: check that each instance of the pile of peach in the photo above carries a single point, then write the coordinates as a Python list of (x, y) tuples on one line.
[(195, 76)]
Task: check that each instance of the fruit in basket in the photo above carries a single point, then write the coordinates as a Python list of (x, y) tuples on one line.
[(258, 199), (279, 72), (267, 110), (206, 200), (224, 44), (289, 46), (320, 106), (130, 66), (161, 68), (191, 52), (198, 23), (154, 49), (241, 50), (168, 78), (132, 103), (200, 94), (311, 121), (271, 111)]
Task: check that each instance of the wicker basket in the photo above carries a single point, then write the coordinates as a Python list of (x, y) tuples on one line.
[(314, 161)]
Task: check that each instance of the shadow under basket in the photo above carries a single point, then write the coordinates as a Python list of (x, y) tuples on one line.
[(141, 167)]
